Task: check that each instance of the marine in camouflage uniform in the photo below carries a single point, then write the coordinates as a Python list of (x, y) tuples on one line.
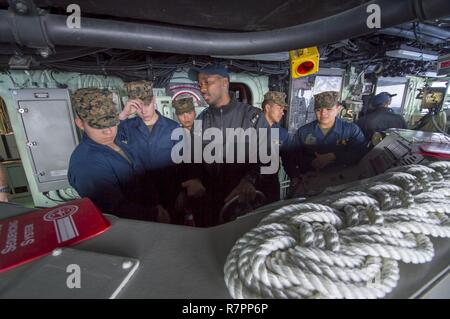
[(153, 143), (269, 184), (328, 142), (96, 107), (102, 167), (154, 140), (190, 204), (185, 111)]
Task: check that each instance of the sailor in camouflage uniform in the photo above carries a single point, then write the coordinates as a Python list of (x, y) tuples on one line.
[(150, 135), (326, 142), (185, 112), (104, 168), (274, 105)]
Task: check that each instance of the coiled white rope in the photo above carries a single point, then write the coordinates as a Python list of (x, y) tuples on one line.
[(344, 245)]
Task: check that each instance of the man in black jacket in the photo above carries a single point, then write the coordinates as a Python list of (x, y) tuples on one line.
[(379, 116), (189, 202), (224, 180)]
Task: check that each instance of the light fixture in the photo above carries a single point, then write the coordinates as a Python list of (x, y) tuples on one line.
[(431, 74), (410, 53)]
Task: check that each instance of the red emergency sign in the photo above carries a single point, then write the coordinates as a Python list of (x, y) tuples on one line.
[(26, 237)]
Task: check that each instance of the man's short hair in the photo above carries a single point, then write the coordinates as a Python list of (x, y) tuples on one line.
[(263, 104), (96, 107)]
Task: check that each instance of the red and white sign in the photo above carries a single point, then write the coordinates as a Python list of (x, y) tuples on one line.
[(26, 237), (443, 66)]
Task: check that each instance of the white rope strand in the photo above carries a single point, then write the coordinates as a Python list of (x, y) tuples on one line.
[(344, 245)]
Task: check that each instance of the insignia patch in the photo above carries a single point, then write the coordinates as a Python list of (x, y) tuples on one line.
[(310, 139)]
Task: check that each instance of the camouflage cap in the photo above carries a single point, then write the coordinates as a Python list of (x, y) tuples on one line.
[(140, 90), (276, 97), (183, 105), (326, 99), (96, 107)]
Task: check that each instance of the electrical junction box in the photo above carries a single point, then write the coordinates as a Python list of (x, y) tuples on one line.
[(17, 179), (163, 102), (304, 62), (47, 120), (164, 106)]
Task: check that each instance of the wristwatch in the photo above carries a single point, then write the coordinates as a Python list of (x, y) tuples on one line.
[(5, 189)]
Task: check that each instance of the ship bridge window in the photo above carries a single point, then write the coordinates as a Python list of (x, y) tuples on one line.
[(393, 86), (242, 92)]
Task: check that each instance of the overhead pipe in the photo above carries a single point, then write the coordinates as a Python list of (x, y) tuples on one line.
[(433, 31), (425, 33), (125, 35), (409, 34)]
